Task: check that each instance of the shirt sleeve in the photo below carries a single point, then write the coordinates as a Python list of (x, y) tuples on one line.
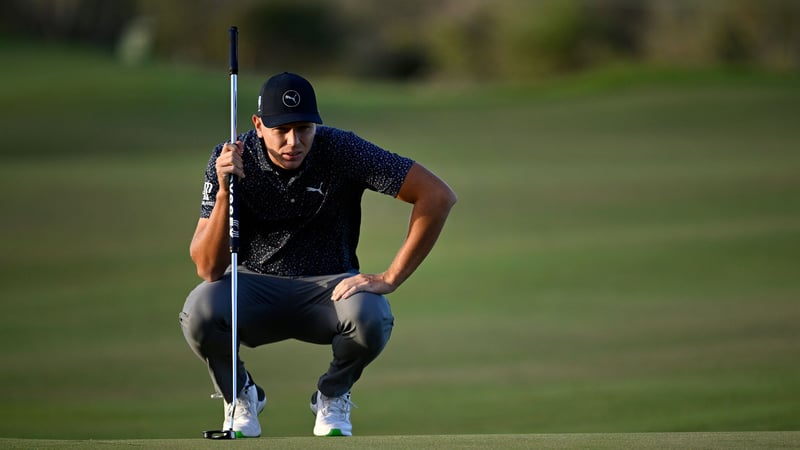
[(380, 170), (211, 185)]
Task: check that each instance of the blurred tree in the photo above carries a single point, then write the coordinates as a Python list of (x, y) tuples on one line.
[(761, 32), (542, 38), (193, 32), (463, 41), (301, 35), (135, 43), (414, 39), (387, 39), (758, 33), (95, 21)]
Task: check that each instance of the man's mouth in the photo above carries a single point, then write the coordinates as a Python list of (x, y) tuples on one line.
[(292, 156)]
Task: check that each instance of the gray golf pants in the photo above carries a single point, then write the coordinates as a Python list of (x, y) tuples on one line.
[(272, 309)]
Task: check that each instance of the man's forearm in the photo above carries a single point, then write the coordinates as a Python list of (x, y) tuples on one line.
[(210, 245), (425, 226)]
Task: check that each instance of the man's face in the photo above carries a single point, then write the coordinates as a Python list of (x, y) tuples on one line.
[(287, 145)]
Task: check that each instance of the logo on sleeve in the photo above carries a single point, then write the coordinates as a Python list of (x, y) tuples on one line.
[(207, 187)]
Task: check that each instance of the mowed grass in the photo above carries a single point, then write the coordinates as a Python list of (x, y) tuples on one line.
[(698, 440), (623, 258)]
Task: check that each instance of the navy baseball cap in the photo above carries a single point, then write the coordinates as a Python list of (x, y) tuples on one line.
[(287, 98)]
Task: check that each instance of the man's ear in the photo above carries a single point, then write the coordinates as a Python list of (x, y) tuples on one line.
[(257, 124)]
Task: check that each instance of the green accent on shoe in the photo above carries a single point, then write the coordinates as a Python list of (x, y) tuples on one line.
[(335, 432), (239, 435)]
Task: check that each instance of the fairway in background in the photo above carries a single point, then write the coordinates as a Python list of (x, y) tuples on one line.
[(623, 256)]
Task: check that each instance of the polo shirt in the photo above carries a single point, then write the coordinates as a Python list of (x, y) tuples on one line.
[(308, 221)]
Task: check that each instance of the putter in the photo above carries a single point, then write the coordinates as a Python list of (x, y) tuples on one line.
[(233, 223)]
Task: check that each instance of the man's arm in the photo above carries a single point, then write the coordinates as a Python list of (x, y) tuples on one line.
[(210, 247), (432, 199)]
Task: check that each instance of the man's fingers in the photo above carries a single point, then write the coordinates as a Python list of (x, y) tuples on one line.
[(233, 147), (230, 160), (360, 283), (342, 290), (349, 286)]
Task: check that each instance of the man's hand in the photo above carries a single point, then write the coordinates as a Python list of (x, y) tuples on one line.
[(375, 283), (229, 162)]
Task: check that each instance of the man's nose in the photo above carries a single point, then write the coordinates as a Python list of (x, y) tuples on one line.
[(291, 137)]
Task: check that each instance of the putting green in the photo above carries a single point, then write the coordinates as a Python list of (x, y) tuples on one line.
[(732, 440)]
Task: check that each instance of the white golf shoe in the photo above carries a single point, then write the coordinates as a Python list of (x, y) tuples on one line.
[(333, 415), (249, 404)]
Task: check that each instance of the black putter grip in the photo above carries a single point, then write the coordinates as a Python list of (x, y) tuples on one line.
[(233, 33)]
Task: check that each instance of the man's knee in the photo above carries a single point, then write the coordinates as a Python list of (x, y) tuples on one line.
[(204, 320), (370, 320)]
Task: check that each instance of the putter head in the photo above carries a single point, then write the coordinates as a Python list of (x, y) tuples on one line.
[(219, 434)]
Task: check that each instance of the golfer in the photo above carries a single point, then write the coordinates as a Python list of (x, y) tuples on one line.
[(299, 194)]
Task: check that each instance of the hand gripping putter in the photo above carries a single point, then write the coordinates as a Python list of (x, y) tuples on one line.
[(233, 226)]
